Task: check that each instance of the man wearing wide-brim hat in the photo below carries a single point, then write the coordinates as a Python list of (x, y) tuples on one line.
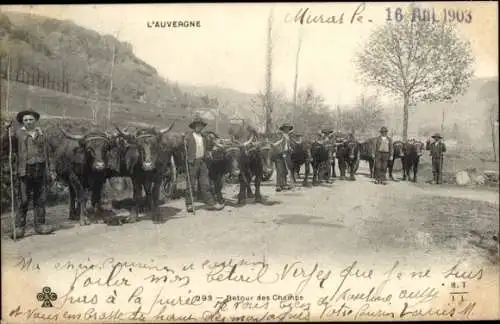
[(197, 155), (33, 170), (383, 152), (436, 148), (283, 162)]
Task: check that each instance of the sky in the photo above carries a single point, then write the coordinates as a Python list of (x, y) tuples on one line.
[(229, 47)]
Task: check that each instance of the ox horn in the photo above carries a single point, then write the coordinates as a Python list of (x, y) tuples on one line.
[(70, 136), (249, 141), (120, 132), (163, 131)]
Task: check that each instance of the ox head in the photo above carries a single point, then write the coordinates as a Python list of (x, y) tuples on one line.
[(352, 147), (148, 142), (96, 146), (242, 151), (398, 148), (266, 155), (415, 147)]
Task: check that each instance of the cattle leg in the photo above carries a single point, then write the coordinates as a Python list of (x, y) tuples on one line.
[(258, 196), (242, 195), (315, 174), (415, 169), (390, 165), (73, 208), (307, 170), (342, 168), (155, 199), (352, 166), (96, 197), (149, 199), (218, 183), (334, 175), (137, 188), (329, 171), (371, 165)]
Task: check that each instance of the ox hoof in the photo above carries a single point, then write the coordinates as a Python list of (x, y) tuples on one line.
[(241, 202), (306, 184), (84, 222), (258, 199), (250, 195)]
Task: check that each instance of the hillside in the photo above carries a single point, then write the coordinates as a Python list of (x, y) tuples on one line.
[(467, 119), (64, 50)]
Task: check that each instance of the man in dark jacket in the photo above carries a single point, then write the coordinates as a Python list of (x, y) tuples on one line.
[(33, 171), (196, 154), (436, 148), (383, 152), (283, 162)]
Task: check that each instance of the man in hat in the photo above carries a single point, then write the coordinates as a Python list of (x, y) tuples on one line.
[(284, 162), (436, 148), (197, 154), (33, 172), (383, 153)]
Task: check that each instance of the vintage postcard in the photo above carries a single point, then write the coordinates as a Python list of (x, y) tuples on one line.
[(235, 162)]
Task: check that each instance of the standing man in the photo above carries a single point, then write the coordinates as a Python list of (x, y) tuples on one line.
[(436, 148), (383, 153), (31, 146), (283, 162), (196, 156)]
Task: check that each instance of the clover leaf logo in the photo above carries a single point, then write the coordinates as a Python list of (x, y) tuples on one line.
[(47, 297)]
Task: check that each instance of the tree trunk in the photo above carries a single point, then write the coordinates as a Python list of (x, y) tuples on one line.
[(108, 120), (269, 64), (406, 104), (295, 82)]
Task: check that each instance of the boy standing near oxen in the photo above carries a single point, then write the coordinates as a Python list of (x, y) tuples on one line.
[(436, 148)]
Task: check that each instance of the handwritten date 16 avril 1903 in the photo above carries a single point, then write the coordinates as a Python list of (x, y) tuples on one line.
[(358, 16)]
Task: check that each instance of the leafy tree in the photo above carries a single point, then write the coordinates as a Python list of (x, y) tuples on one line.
[(418, 61)]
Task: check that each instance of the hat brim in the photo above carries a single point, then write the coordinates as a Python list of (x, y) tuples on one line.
[(23, 113), (436, 136), (193, 124), (282, 128)]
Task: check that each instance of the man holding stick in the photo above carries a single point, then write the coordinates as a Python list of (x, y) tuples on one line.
[(436, 148), (197, 154), (31, 146)]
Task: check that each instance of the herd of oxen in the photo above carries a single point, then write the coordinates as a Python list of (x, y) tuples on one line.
[(154, 158)]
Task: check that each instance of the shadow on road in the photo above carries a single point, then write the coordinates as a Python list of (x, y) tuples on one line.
[(298, 219)]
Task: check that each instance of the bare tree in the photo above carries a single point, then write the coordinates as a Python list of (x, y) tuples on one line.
[(295, 82), (269, 72), (417, 61)]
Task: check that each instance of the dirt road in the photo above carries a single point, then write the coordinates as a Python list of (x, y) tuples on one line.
[(346, 218)]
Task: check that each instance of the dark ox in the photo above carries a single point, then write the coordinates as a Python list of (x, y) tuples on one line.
[(398, 153), (81, 164), (367, 153), (348, 156), (251, 164), (322, 155), (412, 151), (301, 155), (149, 157)]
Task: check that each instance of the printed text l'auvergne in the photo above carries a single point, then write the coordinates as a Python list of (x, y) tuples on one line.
[(173, 24)]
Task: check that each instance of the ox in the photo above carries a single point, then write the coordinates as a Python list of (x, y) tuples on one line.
[(367, 153), (251, 164), (348, 156), (398, 153), (81, 164), (412, 151), (322, 155), (147, 157)]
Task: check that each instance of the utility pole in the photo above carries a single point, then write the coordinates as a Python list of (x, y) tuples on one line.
[(269, 65)]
